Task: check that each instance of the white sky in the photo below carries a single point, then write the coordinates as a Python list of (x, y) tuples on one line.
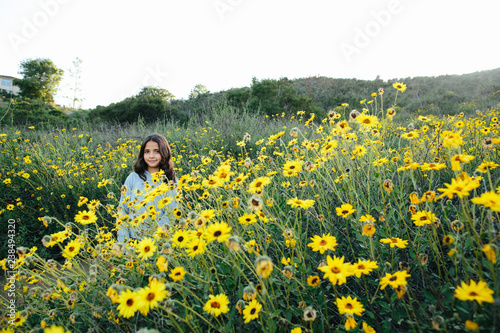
[(222, 44)]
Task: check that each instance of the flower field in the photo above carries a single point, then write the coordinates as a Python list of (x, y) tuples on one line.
[(354, 222)]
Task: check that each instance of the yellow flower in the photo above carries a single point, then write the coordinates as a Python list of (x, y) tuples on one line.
[(460, 158), (452, 139), (350, 323), (395, 242), (367, 328), (251, 311), (181, 237), (422, 218), (146, 248), (432, 166), (489, 200), (149, 297), (399, 86), (72, 249), (345, 210), (471, 326), (349, 305), (177, 274), (212, 182), (368, 229), (208, 214), (112, 294), (54, 329), (304, 204), (394, 280), (363, 267), (219, 231), (323, 243), (410, 135), (313, 280), (473, 291), (128, 304), (367, 120), (292, 168), (216, 305), (489, 251), (459, 187), (263, 266), (258, 184), (195, 247), (483, 167), (85, 217), (247, 219), (162, 264), (336, 270)]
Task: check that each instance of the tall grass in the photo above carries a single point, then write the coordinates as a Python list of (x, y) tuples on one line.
[(326, 226)]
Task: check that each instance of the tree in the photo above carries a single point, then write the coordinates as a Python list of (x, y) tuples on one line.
[(40, 80), (198, 90), (150, 91)]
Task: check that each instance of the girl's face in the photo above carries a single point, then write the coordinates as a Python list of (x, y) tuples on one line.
[(152, 156)]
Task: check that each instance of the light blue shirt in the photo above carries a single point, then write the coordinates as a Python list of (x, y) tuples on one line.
[(134, 183)]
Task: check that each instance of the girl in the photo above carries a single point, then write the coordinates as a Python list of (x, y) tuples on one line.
[(154, 158)]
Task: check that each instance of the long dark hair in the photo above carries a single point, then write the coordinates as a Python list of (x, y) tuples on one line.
[(166, 163)]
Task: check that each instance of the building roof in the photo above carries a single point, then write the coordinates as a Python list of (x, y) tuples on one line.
[(7, 76)]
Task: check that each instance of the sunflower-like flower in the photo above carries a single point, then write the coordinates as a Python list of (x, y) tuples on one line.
[(127, 303), (162, 264), (149, 297), (345, 210), (473, 291), (336, 270), (323, 243), (181, 237), (304, 204), (71, 249), (363, 267), (394, 241), (422, 218), (251, 311), (313, 280), (394, 280), (216, 305), (399, 86), (85, 217), (146, 248), (257, 185), (195, 247), (177, 274), (349, 305), (292, 168), (489, 200), (247, 219), (367, 121), (263, 266), (218, 231)]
